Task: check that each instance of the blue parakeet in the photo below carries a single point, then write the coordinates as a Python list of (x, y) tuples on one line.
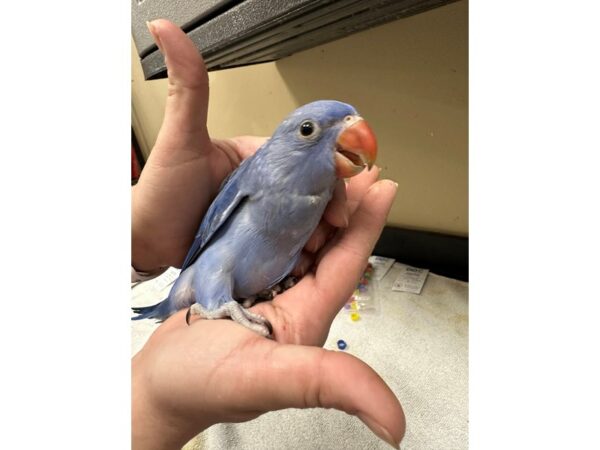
[(253, 233)]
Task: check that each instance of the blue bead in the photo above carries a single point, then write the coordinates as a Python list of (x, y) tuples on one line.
[(342, 344)]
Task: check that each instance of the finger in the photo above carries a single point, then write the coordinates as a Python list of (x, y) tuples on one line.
[(336, 212), (358, 186), (319, 237), (246, 146), (343, 259), (343, 204), (294, 376), (187, 101), (239, 148), (304, 264)]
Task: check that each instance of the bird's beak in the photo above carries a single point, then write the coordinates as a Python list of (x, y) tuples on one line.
[(356, 147)]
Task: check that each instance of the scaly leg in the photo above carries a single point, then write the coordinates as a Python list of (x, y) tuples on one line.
[(237, 313)]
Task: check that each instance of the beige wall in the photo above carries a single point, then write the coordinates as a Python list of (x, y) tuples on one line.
[(408, 78)]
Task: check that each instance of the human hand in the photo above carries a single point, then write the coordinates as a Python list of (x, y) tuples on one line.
[(187, 378), (185, 168)]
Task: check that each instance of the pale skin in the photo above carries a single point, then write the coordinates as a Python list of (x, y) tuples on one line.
[(187, 378)]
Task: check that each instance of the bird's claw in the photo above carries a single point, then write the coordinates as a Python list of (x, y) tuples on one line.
[(237, 313)]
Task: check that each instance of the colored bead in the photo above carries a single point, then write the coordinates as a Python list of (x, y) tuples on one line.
[(342, 344), (354, 316)]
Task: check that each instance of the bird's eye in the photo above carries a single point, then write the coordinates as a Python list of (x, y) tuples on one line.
[(307, 128)]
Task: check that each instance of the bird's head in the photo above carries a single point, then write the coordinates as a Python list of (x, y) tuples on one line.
[(333, 130)]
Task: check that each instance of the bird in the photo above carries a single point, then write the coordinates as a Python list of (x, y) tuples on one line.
[(252, 235)]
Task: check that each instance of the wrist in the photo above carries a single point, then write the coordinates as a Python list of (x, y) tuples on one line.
[(143, 259), (143, 255), (152, 426)]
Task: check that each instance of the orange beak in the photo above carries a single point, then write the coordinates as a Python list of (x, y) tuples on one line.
[(356, 147)]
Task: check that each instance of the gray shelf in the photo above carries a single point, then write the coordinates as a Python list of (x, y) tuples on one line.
[(232, 33)]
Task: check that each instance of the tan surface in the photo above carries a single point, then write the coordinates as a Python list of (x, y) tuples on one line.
[(408, 78)]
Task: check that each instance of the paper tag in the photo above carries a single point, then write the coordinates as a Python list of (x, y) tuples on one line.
[(411, 279), (167, 278), (381, 266)]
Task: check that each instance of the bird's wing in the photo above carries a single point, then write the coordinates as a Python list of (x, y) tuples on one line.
[(228, 199)]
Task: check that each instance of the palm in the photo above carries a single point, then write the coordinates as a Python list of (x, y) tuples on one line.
[(224, 368), (217, 371), (175, 190)]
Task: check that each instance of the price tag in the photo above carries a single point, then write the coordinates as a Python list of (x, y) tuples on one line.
[(411, 279), (381, 266)]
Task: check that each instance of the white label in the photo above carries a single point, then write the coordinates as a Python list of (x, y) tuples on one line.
[(381, 266), (165, 279), (411, 279)]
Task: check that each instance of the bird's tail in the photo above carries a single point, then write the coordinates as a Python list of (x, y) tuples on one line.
[(160, 311)]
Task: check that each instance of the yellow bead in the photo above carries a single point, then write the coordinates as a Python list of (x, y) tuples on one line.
[(354, 316)]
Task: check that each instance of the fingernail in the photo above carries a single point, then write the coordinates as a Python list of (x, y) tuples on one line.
[(379, 430), (154, 32), (392, 182), (386, 436)]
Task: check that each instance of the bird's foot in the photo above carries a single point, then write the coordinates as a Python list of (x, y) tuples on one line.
[(270, 294), (289, 282), (237, 313), (248, 302)]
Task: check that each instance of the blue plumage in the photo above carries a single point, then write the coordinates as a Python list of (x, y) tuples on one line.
[(252, 235)]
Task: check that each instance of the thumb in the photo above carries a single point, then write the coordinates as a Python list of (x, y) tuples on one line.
[(184, 123), (309, 377)]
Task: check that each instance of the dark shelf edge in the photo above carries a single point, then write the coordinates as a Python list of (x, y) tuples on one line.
[(442, 254), (221, 56)]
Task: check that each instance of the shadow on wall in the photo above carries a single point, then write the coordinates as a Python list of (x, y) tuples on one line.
[(409, 79)]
